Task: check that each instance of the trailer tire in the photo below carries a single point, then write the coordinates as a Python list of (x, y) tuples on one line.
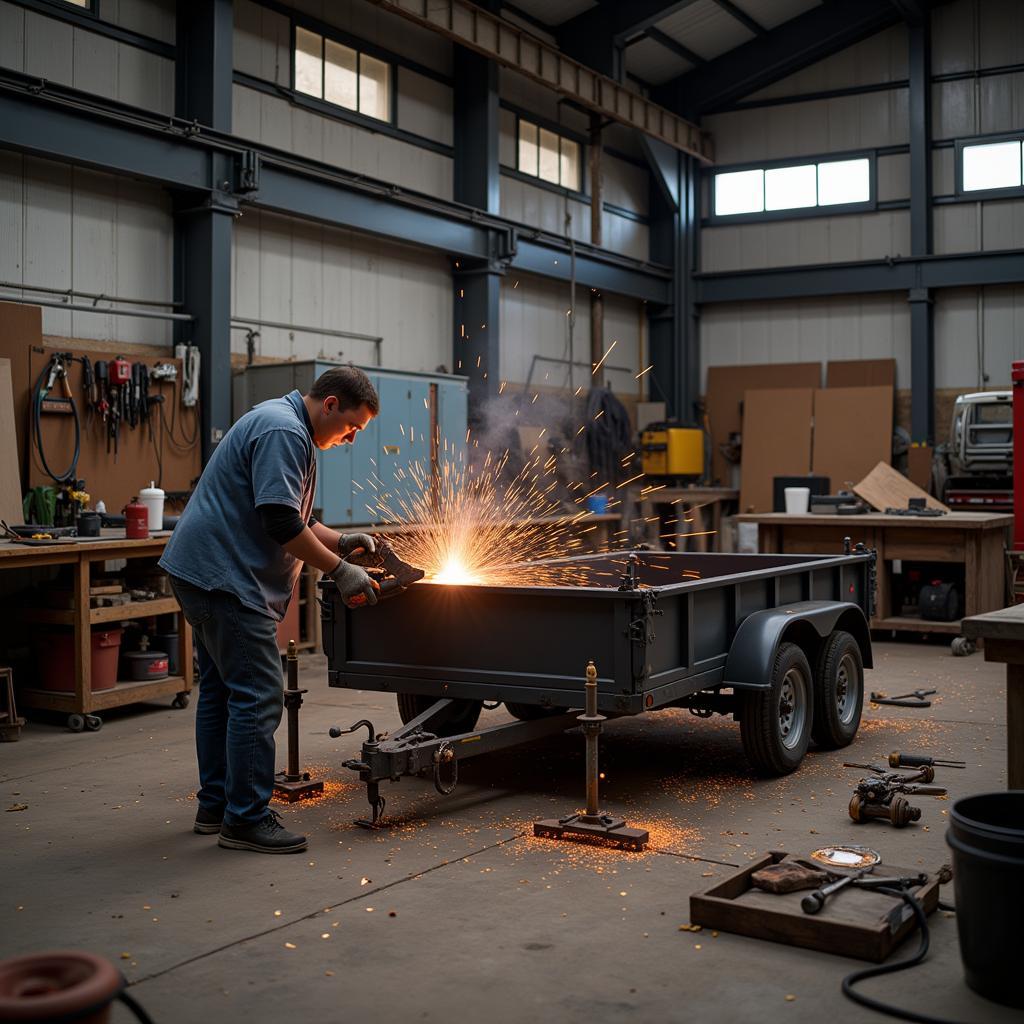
[(838, 691), (531, 712), (775, 723), (462, 715)]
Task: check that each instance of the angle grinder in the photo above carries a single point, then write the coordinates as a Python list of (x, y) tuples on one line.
[(389, 573)]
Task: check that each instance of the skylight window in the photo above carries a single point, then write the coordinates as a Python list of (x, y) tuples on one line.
[(844, 181), (739, 192), (790, 188), (992, 165)]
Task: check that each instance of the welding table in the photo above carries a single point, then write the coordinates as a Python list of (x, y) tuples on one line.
[(975, 539), (1003, 633), (706, 504), (82, 554)]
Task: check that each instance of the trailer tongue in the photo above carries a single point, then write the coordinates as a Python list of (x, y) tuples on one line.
[(778, 641)]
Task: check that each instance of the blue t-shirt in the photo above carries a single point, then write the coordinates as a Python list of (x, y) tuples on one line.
[(266, 458)]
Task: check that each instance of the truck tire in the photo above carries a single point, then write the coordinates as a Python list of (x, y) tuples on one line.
[(531, 712), (838, 691), (775, 723), (461, 717)]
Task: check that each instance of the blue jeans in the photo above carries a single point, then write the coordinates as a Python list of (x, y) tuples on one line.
[(240, 702)]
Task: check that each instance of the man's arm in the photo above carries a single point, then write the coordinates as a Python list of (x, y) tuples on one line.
[(310, 547), (326, 536)]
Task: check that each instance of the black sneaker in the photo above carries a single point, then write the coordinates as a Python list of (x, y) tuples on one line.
[(266, 836), (207, 822)]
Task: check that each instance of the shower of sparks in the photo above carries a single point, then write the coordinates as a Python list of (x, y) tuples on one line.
[(474, 528), (600, 362)]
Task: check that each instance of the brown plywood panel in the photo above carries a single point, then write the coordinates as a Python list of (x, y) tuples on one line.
[(140, 452), (724, 399), (919, 465), (884, 488), (10, 476), (857, 373), (776, 442), (852, 432)]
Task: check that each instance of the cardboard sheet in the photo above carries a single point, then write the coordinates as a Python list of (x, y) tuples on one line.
[(10, 476), (724, 399), (860, 373), (852, 432), (776, 442), (885, 487)]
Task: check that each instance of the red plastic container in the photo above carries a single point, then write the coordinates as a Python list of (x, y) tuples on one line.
[(55, 657)]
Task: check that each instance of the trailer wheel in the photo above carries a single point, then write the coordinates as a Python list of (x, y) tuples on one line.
[(531, 712), (838, 691), (775, 723), (462, 714)]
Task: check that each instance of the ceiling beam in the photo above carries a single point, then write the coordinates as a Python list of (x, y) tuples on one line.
[(804, 40), (742, 17), (671, 44), (621, 21)]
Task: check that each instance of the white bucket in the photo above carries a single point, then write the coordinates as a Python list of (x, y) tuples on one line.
[(153, 498), (798, 499)]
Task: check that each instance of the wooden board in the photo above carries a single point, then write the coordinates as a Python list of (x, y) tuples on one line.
[(919, 465), (726, 386), (860, 373), (852, 432), (10, 473), (852, 923), (884, 488), (776, 442), (115, 482)]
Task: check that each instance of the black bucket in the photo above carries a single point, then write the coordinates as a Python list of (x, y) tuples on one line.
[(986, 833)]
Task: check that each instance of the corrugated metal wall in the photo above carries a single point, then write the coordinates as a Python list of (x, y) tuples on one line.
[(52, 49), (977, 331), (67, 227)]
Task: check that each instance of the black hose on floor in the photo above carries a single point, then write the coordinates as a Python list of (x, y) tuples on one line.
[(901, 965)]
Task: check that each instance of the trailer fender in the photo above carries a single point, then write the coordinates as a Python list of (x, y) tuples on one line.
[(807, 623)]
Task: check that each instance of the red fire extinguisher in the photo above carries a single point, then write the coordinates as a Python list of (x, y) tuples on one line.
[(136, 520)]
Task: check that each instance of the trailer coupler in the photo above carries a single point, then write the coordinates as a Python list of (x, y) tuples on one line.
[(414, 749)]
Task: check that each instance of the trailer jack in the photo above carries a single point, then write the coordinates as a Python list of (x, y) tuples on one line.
[(610, 831)]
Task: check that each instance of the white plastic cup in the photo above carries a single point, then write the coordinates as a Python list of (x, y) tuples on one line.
[(798, 500), (153, 498)]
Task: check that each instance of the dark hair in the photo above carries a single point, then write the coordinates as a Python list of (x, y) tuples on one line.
[(349, 385)]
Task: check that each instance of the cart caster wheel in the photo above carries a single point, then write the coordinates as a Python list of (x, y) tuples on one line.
[(962, 646), (76, 723), (180, 701), (93, 723)]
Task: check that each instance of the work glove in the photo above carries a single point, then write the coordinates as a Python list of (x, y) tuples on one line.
[(362, 543), (354, 584)]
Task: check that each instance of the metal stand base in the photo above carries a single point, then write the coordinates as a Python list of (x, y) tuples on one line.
[(611, 831), (291, 790)]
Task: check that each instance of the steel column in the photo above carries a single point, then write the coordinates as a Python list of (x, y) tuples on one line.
[(203, 83), (922, 341), (476, 349)]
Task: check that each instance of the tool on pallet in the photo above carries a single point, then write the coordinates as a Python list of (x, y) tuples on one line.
[(813, 902), (390, 575), (884, 798), (898, 759), (592, 824), (294, 783), (914, 699)]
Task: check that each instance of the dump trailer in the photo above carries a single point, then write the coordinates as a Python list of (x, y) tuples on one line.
[(777, 641)]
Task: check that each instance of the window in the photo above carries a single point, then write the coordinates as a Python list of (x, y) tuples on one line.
[(779, 189), (338, 74), (987, 166), (549, 156)]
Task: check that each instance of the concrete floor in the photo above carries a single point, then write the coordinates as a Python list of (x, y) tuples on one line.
[(456, 911)]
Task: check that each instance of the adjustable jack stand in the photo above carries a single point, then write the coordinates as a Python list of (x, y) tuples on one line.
[(612, 831), (294, 784)]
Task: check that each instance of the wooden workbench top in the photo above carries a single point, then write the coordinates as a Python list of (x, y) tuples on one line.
[(1004, 624), (110, 541), (950, 521)]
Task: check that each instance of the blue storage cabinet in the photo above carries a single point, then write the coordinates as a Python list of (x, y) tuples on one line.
[(351, 478)]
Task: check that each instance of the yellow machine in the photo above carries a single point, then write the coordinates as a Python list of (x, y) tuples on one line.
[(671, 450)]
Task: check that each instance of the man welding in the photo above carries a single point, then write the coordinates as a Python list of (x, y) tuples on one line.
[(233, 560)]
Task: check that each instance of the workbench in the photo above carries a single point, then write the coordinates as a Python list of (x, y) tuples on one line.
[(977, 540), (1003, 633), (704, 505), (82, 554)]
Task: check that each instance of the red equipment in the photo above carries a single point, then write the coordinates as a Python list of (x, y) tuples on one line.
[(120, 371), (136, 520)]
